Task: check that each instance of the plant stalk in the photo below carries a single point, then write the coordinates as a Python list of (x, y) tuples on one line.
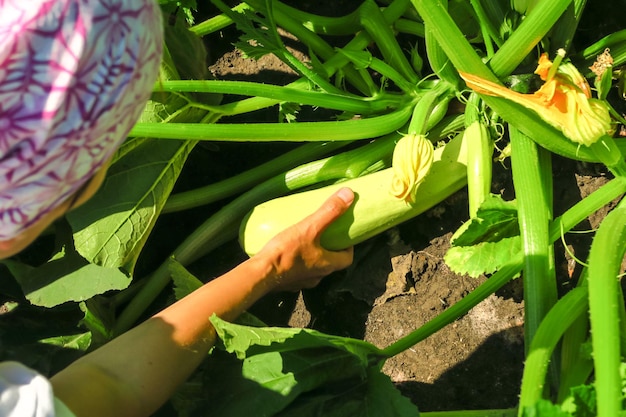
[(270, 132), (605, 258), (534, 214)]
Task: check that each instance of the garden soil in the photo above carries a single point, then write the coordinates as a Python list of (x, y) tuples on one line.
[(399, 280)]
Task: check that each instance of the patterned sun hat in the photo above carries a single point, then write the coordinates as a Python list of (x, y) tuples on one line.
[(74, 78)]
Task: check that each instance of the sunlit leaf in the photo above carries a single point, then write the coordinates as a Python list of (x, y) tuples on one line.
[(67, 277), (111, 229), (302, 372), (482, 258), (245, 340), (487, 241)]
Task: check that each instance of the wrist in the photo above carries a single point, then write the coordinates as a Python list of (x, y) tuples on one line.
[(266, 271)]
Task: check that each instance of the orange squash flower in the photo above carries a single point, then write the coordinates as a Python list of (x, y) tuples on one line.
[(564, 100)]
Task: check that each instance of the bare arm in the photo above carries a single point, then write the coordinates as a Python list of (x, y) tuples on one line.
[(134, 374)]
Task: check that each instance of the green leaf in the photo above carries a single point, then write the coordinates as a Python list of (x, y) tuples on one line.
[(300, 372), (77, 341), (187, 6), (495, 219), (545, 408), (265, 383), (486, 242), (67, 277), (99, 316), (584, 398), (383, 399), (482, 258), (111, 229), (287, 112), (245, 341), (257, 39), (184, 281), (188, 52)]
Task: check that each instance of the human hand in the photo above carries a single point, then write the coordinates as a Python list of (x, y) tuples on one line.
[(296, 255)]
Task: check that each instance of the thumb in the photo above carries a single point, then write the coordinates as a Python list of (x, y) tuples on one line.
[(333, 207)]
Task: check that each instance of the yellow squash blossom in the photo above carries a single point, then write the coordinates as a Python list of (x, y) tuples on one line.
[(564, 100), (411, 162)]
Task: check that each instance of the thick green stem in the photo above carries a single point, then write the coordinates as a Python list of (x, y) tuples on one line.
[(605, 258), (534, 213), (576, 365), (333, 60), (430, 109), (364, 59), (512, 52), (490, 32), (609, 41), (451, 39), (564, 313), (410, 27), (529, 33), (564, 30), (270, 132), (323, 25), (217, 22), (345, 102), (247, 179), (379, 29), (439, 61), (584, 208)]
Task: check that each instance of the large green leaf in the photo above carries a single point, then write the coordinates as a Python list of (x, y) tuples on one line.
[(112, 228), (66, 277), (264, 384), (301, 372), (486, 242), (245, 340)]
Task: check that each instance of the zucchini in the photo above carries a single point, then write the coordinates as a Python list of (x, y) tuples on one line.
[(374, 210)]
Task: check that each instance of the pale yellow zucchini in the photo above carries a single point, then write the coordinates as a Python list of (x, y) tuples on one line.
[(375, 209)]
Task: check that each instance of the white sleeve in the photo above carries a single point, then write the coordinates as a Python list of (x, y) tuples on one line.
[(26, 393)]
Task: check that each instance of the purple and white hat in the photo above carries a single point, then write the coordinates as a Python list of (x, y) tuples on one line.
[(74, 78)]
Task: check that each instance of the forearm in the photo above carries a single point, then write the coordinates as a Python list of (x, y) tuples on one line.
[(137, 372), (141, 368)]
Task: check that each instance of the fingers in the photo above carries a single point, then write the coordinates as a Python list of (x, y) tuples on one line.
[(341, 259), (333, 207)]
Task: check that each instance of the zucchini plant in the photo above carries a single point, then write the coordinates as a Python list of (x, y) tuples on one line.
[(428, 112)]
